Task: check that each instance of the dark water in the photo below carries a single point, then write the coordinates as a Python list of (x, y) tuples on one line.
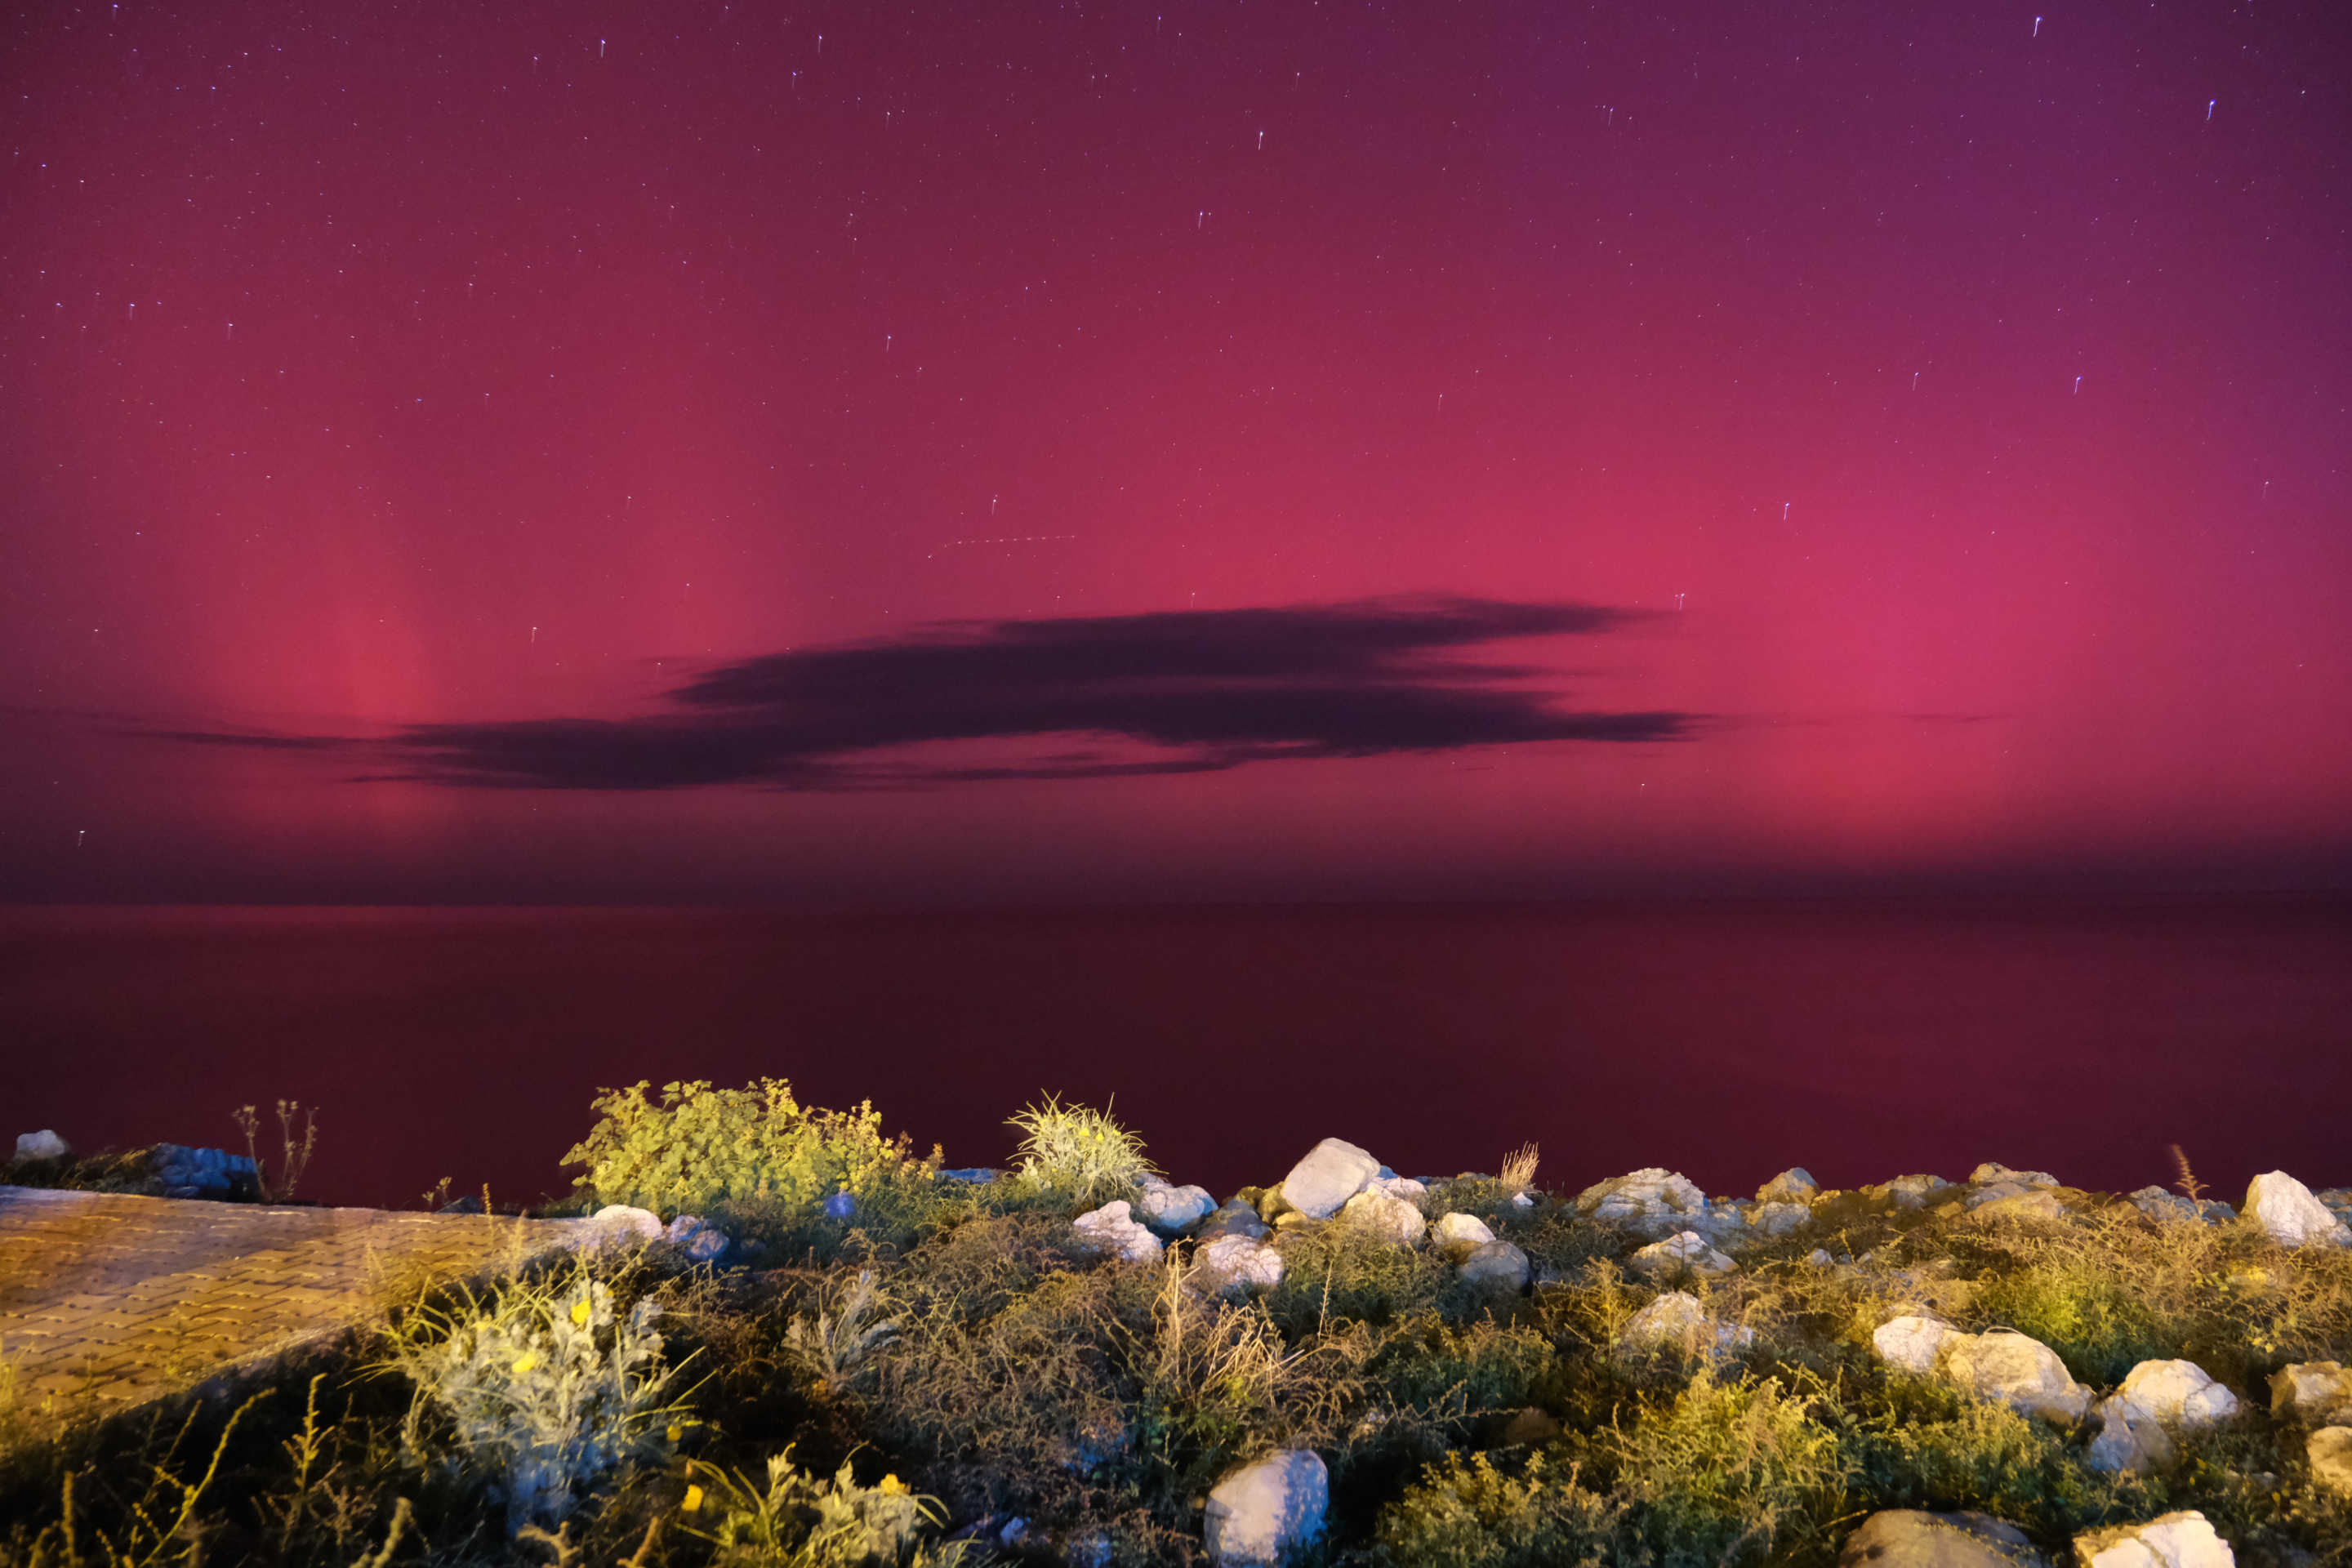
[(1726, 1041)]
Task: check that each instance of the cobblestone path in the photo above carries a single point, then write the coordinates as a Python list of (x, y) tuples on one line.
[(115, 1300)]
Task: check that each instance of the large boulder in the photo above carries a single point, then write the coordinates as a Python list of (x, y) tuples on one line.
[(1793, 1185), (1497, 1269), (1173, 1211), (1906, 1538), (2016, 1369), (1651, 1202), (1112, 1228), (1686, 1253), (1390, 1219), (1262, 1513), (2314, 1392), (2330, 1452), (2181, 1540), (1677, 1322), (1236, 1265), (2291, 1216), (1911, 1342), (42, 1145), (2180, 1393), (1333, 1172)]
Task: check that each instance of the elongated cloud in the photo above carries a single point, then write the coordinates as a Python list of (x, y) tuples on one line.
[(1216, 687)]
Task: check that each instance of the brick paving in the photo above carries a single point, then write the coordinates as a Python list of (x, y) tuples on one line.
[(114, 1299)]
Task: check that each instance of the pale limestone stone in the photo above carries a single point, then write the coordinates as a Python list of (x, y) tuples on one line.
[(1652, 1202), (1676, 1321), (1236, 1265), (1391, 1219), (2016, 1369), (2183, 1540), (1331, 1172), (1677, 1253), (1911, 1343), (2290, 1216), (1793, 1185), (1498, 1267), (1113, 1229), (1262, 1513), (2330, 1452), (2315, 1392), (1173, 1211), (1778, 1219), (1905, 1538), (1457, 1234)]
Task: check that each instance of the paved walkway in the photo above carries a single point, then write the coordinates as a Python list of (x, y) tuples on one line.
[(117, 1300)]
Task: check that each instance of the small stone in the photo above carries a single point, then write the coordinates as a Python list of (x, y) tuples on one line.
[(1651, 1202), (619, 1225), (2330, 1452), (2010, 1203), (1173, 1211), (1390, 1219), (1993, 1173), (1820, 1257), (1780, 1219), (1457, 1234), (1688, 1251), (2181, 1540), (1331, 1172), (1236, 1265), (1262, 1513), (2314, 1392), (1235, 1219), (1906, 1538), (1793, 1185), (1678, 1321), (2290, 1216), (1496, 1267), (42, 1145), (1112, 1228), (1908, 1192)]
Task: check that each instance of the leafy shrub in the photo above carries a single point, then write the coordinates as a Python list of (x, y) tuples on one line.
[(801, 1521), (1340, 1273), (2082, 1311), (543, 1385), (1728, 1472), (1077, 1153), (1921, 1444), (1453, 1375), (1470, 1513), (699, 1146)]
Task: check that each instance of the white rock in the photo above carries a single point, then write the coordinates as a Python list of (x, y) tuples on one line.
[(1651, 1202), (619, 1225), (1113, 1229), (1262, 1513), (2291, 1216), (1457, 1234), (1780, 1218), (1903, 1537), (1676, 1321), (2131, 1441), (1333, 1172), (1820, 1257), (1405, 1188), (1908, 1192), (2014, 1369), (2173, 1540), (1909, 1342), (1676, 1253), (2330, 1452), (1793, 1185), (42, 1145), (1391, 1219), (1236, 1265), (1993, 1173), (1498, 1267), (2180, 1393), (2315, 1392), (697, 1237), (1173, 1211)]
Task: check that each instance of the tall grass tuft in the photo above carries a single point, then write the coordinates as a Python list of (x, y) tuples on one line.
[(1077, 1151)]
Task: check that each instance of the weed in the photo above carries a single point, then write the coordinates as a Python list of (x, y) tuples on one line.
[(835, 1343), (542, 1384), (1077, 1153), (2190, 1188), (1519, 1172), (797, 1521), (1467, 1512)]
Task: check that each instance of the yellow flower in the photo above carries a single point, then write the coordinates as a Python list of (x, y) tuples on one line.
[(580, 1311), (693, 1500), (675, 1431), (893, 1487), (525, 1362)]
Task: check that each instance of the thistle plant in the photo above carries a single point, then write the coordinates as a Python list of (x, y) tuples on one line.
[(1078, 1151), (833, 1344), (545, 1386)]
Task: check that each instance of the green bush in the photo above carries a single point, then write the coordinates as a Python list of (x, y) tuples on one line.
[(2082, 1311), (699, 1146), (1467, 1512), (542, 1387), (1077, 1153)]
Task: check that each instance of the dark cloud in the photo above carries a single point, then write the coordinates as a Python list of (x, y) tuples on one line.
[(1222, 688)]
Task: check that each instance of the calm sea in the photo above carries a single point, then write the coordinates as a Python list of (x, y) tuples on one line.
[(1860, 1039)]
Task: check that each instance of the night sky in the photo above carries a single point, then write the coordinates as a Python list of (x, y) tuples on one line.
[(702, 452)]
